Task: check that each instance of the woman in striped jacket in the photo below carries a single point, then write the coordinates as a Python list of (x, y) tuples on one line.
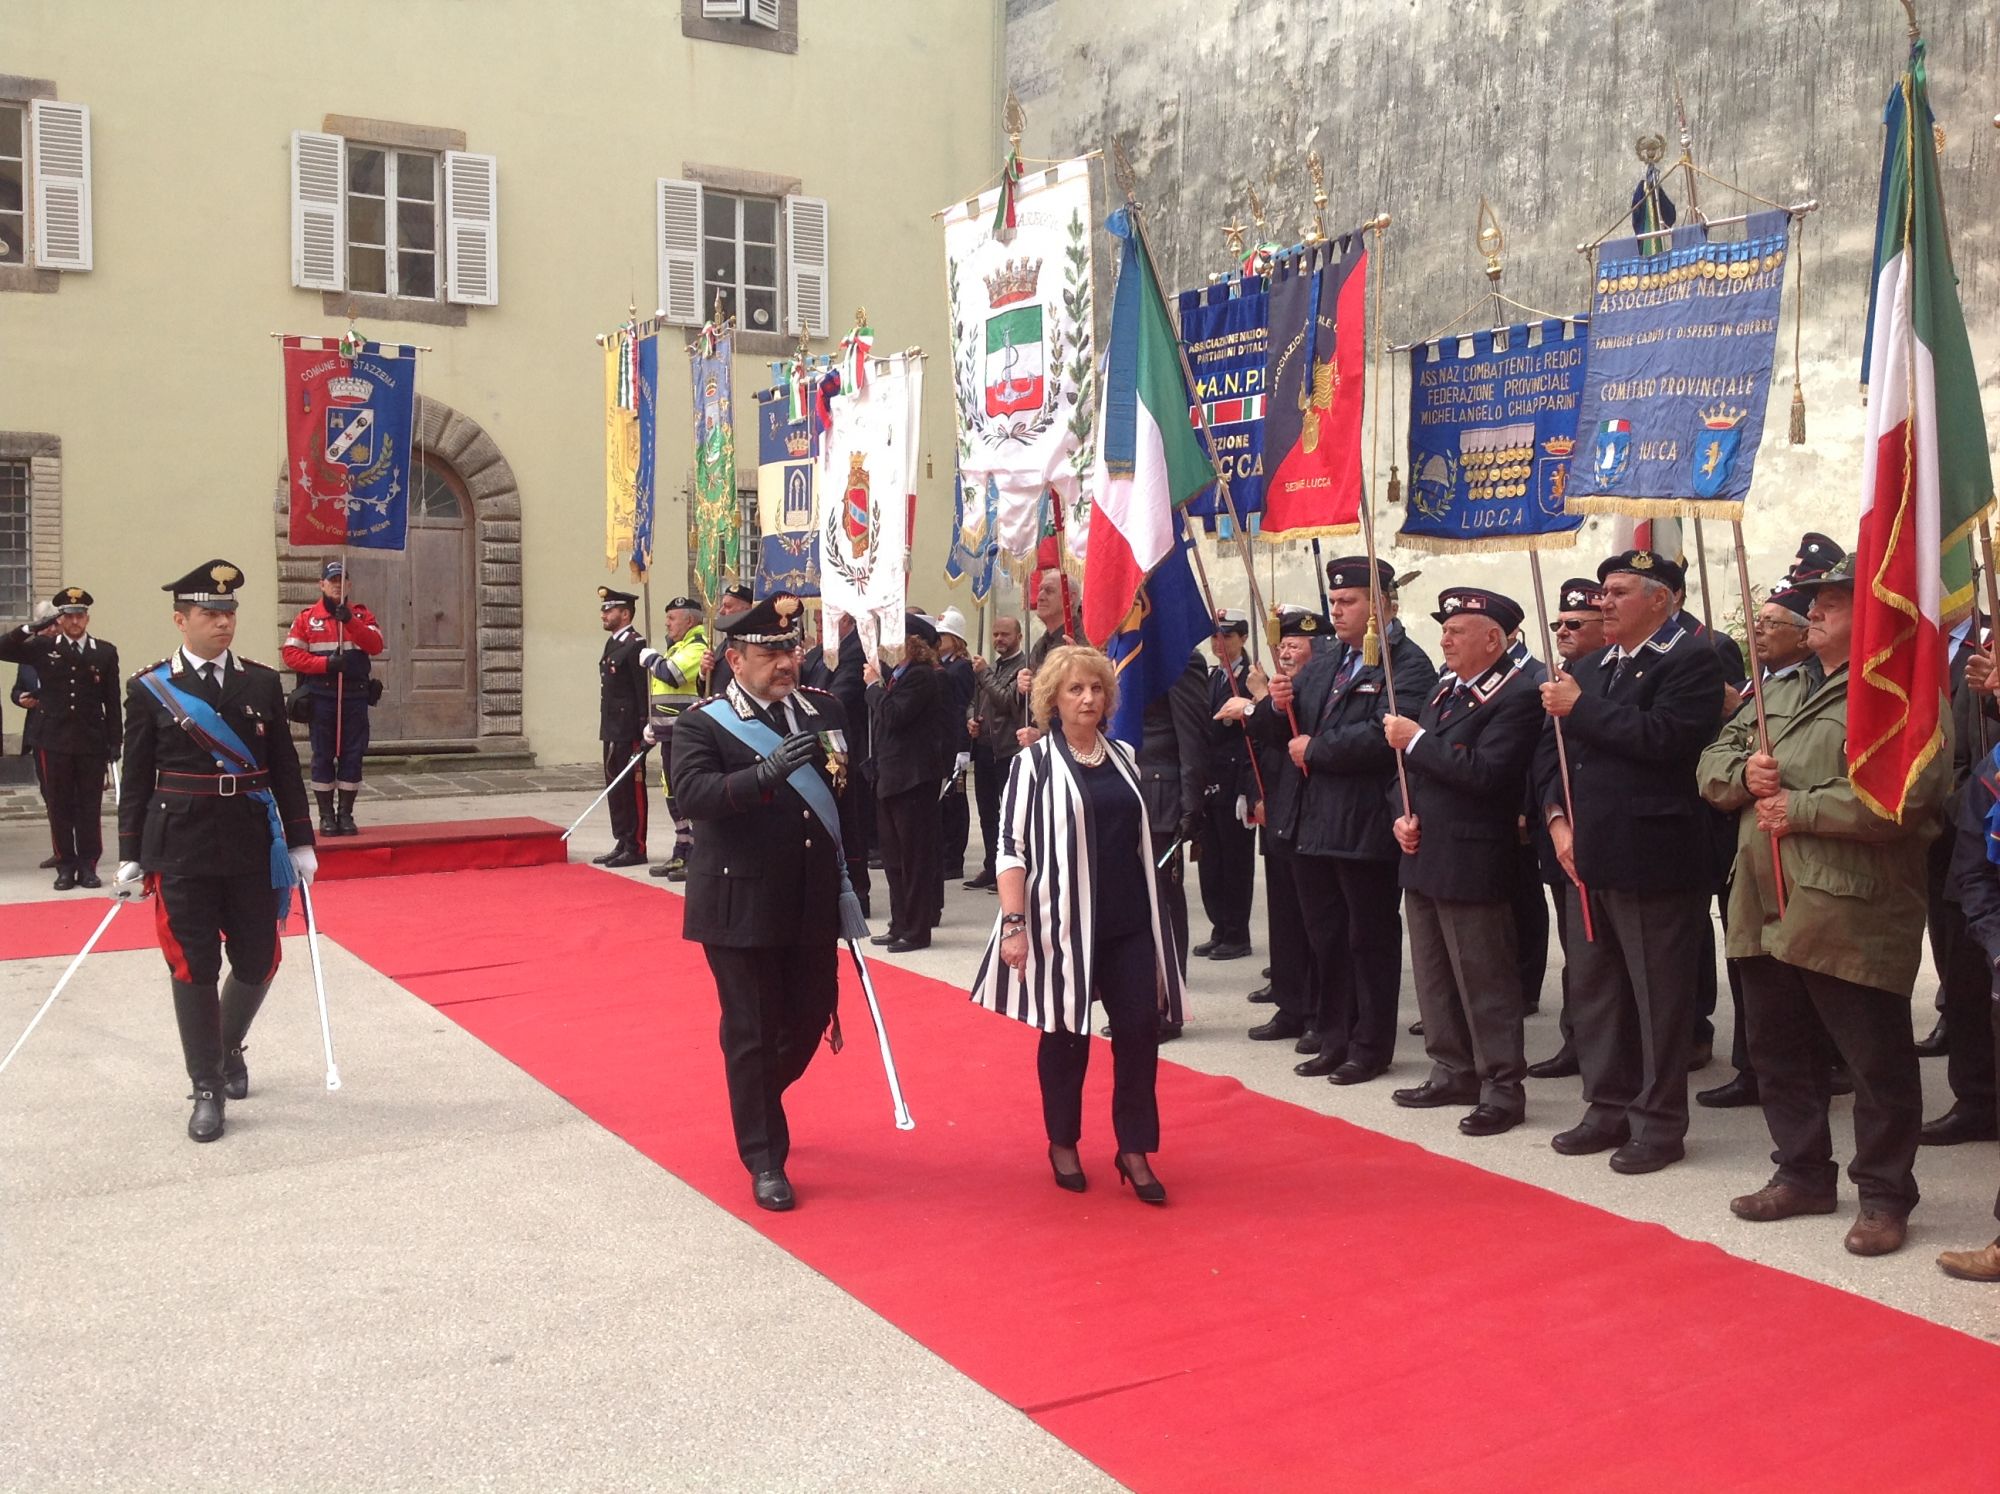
[(1080, 918)]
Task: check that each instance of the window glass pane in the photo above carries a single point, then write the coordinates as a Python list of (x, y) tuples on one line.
[(364, 220), (761, 310), (718, 214), (416, 225), (726, 294), (11, 190), (718, 260), (760, 265), (13, 239), (365, 270), (16, 557), (364, 170), (10, 131), (435, 499), (416, 274), (416, 177), (760, 220)]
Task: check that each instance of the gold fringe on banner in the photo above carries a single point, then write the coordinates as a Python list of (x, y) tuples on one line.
[(1656, 508), (1330, 531), (1432, 544)]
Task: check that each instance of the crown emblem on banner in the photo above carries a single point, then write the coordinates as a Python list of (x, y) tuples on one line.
[(1014, 281), (797, 445), (346, 386), (1722, 417), (1559, 446)]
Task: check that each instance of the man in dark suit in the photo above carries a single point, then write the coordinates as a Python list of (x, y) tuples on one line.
[(1173, 770), (1636, 717), (957, 684), (1337, 817), (80, 730), (1466, 754), (1228, 862), (909, 718), (763, 888), (214, 823), (843, 681), (621, 726)]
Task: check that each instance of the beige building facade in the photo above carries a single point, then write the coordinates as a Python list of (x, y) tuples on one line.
[(494, 181)]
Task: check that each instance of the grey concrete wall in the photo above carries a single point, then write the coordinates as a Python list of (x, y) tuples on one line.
[(1420, 107)]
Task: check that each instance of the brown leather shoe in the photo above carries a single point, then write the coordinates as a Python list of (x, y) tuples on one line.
[(1877, 1232), (1972, 1265), (1776, 1200)]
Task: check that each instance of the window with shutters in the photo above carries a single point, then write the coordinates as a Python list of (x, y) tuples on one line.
[(750, 240), (769, 25), (44, 185), (13, 184), (739, 258), (392, 222), (17, 551)]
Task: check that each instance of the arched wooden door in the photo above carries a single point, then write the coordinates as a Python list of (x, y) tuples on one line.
[(426, 600)]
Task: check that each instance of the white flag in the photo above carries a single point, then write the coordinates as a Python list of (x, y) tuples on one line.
[(866, 481)]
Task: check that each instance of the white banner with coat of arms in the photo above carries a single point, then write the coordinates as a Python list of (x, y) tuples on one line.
[(867, 482), (1024, 359)]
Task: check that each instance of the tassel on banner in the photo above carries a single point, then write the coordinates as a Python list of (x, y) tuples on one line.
[(1395, 483), (1371, 643), (1798, 430)]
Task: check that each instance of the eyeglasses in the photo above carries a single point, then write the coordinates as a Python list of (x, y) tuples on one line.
[(1765, 624), (1568, 624)]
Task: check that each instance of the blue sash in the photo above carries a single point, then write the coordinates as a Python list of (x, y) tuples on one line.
[(805, 780), (231, 756)]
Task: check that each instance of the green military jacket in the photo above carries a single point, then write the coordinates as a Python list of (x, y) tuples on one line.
[(1854, 881)]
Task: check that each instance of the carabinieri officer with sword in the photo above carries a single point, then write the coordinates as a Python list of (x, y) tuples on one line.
[(213, 820)]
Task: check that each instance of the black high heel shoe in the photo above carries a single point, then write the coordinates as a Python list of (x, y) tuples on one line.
[(1154, 1192), (1069, 1182)]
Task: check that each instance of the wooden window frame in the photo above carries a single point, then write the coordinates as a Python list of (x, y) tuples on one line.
[(743, 33), (27, 277), (391, 134)]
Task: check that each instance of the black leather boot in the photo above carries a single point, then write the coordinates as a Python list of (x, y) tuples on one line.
[(328, 825), (239, 1009), (198, 1013), (344, 821)]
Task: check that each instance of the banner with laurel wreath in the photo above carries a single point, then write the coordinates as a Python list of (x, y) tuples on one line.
[(716, 513), (348, 423)]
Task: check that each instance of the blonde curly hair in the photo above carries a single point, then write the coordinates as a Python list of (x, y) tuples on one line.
[(1055, 673)]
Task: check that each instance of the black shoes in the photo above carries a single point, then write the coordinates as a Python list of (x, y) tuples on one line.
[(1354, 1071), (1488, 1120), (1737, 1093), (235, 1076), (1282, 1025), (1701, 1057), (1562, 1066), (1320, 1065), (772, 1191), (50, 863), (675, 871), (886, 939), (1236, 951), (616, 858), (325, 828), (205, 1124), (1069, 1182), (1169, 1030), (1635, 1157), (904, 946), (1430, 1095), (65, 879), (1416, 1029), (1263, 995), (981, 882), (1154, 1192), (87, 877), (1308, 1041), (1202, 950), (1931, 1045), (1587, 1140), (1956, 1125)]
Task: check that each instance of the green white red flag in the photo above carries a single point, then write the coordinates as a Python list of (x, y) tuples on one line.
[(1926, 474)]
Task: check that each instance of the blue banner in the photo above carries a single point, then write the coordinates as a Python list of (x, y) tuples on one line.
[(648, 401), (788, 532), (1492, 429), (1226, 330), (1150, 650), (348, 424), (1681, 344), (975, 522)]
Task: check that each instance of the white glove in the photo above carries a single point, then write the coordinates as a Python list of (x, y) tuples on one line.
[(652, 738), (962, 762), (648, 657), (129, 883), (305, 861)]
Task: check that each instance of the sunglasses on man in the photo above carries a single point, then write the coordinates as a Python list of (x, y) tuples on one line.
[(1569, 624)]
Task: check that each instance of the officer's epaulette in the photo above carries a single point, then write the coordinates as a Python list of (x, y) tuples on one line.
[(815, 690), (252, 664), (157, 664)]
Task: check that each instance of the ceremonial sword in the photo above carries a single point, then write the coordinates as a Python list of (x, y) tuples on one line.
[(637, 758), (89, 945)]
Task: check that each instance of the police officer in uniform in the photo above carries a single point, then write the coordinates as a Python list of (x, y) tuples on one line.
[(764, 879), (621, 726), (27, 694), (80, 729), (214, 845)]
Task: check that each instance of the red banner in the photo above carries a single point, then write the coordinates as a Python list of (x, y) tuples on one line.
[(347, 437), (1312, 422)]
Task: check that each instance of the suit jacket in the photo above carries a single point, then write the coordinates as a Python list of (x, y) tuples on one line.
[(1467, 773), (1228, 742), (960, 685), (184, 835), (1173, 752), (1726, 648), (909, 718), (28, 683), (1640, 826), (80, 684), (763, 871), (1339, 807), (622, 688)]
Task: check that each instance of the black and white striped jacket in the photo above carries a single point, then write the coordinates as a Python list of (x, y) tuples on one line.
[(1047, 829)]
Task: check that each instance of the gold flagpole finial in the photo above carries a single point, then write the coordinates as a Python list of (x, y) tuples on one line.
[(1916, 31), (1232, 233), (1317, 234), (1014, 119), (1492, 242), (1122, 165), (1257, 211)]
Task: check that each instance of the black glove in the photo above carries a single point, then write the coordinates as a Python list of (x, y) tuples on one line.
[(340, 610), (800, 748), (354, 664), (1190, 826)]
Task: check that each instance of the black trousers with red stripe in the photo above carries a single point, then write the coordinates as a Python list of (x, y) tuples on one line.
[(629, 801), (73, 789), (198, 917)]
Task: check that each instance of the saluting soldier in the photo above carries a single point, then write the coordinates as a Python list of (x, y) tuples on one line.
[(759, 769), (621, 726), (213, 821), (80, 729)]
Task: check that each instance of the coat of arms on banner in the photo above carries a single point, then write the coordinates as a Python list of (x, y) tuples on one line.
[(867, 463), (349, 418), (857, 521)]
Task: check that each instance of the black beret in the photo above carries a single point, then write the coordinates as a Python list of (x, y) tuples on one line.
[(1579, 594), (1350, 572), (1652, 566), (1457, 601)]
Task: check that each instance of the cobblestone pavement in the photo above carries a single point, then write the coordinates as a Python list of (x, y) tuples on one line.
[(22, 802)]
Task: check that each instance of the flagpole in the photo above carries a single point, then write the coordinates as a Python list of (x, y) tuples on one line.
[(1562, 751), (1757, 698), (1701, 557), (1378, 615), (1208, 596)]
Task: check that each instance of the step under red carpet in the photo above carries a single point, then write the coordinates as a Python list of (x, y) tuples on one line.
[(1318, 1307)]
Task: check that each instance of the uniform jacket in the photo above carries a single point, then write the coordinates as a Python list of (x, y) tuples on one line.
[(675, 672), (1339, 806), (1173, 752), (79, 695), (1467, 773), (1047, 829), (621, 688), (1854, 881), (1975, 879), (1726, 648), (185, 835), (1000, 706), (1228, 743), (763, 871), (1639, 824), (960, 686), (317, 638), (909, 714), (28, 683)]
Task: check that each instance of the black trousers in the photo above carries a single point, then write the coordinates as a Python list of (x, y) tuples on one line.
[(1530, 910), (199, 917), (1786, 1006), (339, 721), (775, 1004), (1964, 991), (1170, 883), (1354, 922), (954, 830), (908, 824), (73, 789), (1631, 998), (1227, 869), (989, 780), (1559, 894), (1294, 987), (1123, 972), (629, 802)]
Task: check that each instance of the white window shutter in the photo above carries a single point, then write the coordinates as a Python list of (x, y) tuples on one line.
[(61, 141), (319, 211), (471, 229), (679, 222), (764, 13), (805, 265), (722, 10)]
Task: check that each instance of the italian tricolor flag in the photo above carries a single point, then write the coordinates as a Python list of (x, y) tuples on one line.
[(1926, 475), (1150, 461)]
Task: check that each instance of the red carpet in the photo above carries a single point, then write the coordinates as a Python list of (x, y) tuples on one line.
[(1319, 1307), (452, 845)]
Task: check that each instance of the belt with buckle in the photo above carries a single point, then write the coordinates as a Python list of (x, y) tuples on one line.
[(214, 785)]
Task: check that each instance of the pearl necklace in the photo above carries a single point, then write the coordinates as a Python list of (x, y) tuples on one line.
[(1094, 756)]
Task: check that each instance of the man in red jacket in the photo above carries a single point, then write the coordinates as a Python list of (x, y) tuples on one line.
[(329, 646)]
